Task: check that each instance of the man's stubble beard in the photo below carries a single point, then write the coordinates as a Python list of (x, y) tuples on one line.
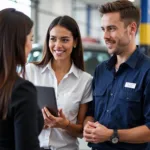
[(122, 46)]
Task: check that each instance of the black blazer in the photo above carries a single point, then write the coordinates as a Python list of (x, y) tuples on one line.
[(24, 120)]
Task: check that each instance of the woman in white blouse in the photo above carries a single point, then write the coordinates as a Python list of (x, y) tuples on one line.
[(62, 67)]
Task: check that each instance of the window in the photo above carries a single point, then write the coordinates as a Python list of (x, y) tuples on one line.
[(21, 5)]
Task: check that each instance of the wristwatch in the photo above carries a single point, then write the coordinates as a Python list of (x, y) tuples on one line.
[(114, 138)]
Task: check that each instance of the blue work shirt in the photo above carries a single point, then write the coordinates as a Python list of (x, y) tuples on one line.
[(121, 100)]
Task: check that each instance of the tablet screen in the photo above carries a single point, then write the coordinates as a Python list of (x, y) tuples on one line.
[(46, 98)]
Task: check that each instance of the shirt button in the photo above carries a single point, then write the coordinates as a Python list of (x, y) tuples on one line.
[(127, 98), (107, 110), (111, 94)]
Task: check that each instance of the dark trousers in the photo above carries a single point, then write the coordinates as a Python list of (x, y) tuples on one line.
[(45, 149)]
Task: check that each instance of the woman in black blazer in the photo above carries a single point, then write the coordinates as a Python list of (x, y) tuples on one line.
[(20, 118)]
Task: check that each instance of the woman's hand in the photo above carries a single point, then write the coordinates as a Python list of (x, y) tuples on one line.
[(45, 126), (55, 122)]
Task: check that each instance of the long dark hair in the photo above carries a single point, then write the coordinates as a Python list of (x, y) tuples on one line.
[(14, 28), (77, 53)]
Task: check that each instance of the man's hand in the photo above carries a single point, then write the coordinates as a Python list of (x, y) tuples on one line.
[(96, 132)]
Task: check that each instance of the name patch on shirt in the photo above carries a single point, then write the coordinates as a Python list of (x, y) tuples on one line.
[(130, 85)]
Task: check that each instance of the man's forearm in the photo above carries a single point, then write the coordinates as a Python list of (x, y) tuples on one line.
[(139, 134)]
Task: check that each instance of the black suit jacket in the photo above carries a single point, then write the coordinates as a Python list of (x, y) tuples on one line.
[(24, 120)]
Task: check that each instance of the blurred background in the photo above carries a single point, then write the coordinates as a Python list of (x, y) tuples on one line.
[(86, 13)]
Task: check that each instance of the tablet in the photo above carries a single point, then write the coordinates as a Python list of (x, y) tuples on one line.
[(46, 98)]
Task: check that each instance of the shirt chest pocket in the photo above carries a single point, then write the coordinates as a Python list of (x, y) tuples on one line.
[(100, 96), (130, 96), (99, 93)]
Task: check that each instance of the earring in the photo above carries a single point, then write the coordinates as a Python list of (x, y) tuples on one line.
[(74, 46)]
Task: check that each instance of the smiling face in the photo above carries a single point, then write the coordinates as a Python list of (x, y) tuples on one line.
[(116, 35), (61, 43)]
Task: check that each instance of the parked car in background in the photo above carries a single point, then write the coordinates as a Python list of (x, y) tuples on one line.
[(94, 54)]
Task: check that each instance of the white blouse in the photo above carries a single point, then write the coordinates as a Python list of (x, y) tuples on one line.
[(74, 89)]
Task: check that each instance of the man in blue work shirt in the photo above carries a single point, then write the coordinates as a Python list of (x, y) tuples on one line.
[(120, 116)]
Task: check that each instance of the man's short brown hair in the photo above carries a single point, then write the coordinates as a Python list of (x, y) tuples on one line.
[(128, 12)]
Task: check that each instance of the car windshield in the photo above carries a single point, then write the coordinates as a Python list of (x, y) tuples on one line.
[(92, 57)]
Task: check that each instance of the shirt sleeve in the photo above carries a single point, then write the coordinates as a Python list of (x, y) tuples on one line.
[(87, 95), (147, 100), (28, 72), (28, 119), (90, 111)]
